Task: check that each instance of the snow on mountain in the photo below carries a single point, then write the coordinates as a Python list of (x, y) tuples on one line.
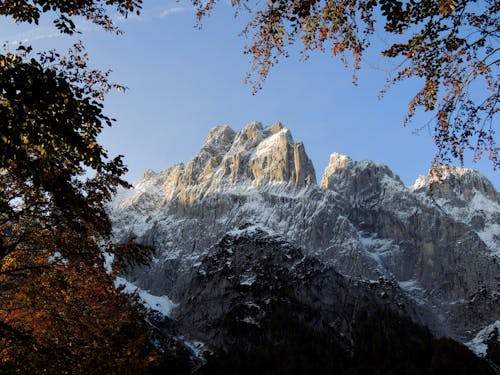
[(468, 197), (160, 304), (479, 344), (435, 245)]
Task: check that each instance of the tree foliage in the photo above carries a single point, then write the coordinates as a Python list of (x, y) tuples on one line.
[(95, 11), (451, 46), (59, 309), (67, 318)]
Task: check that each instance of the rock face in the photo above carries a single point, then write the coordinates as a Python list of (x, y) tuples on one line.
[(467, 197), (255, 157), (282, 274), (436, 246), (433, 253)]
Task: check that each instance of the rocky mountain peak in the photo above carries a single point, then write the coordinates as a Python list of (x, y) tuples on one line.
[(219, 139), (456, 183), (359, 181), (277, 159), (466, 196), (254, 132), (257, 157), (337, 162)]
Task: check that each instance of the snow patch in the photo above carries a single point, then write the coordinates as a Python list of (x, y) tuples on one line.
[(57, 258), (250, 231), (268, 145), (248, 279), (378, 248), (392, 184), (196, 347), (410, 285), (161, 304), (109, 258), (250, 320), (419, 183), (414, 290), (480, 206), (478, 343)]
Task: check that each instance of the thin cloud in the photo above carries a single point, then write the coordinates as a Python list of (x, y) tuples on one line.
[(30, 36), (169, 11), (42, 32), (150, 15), (47, 32)]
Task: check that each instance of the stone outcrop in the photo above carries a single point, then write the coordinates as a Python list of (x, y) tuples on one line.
[(228, 285)]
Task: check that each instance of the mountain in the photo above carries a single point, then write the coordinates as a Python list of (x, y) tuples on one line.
[(243, 233)]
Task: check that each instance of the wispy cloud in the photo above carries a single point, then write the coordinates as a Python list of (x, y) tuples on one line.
[(41, 32), (31, 35), (149, 15), (167, 12), (47, 32)]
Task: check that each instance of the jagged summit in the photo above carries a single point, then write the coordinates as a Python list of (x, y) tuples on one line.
[(267, 155), (360, 180), (256, 157), (458, 181), (467, 196)]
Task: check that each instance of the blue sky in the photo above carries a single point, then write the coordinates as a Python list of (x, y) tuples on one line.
[(182, 81)]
